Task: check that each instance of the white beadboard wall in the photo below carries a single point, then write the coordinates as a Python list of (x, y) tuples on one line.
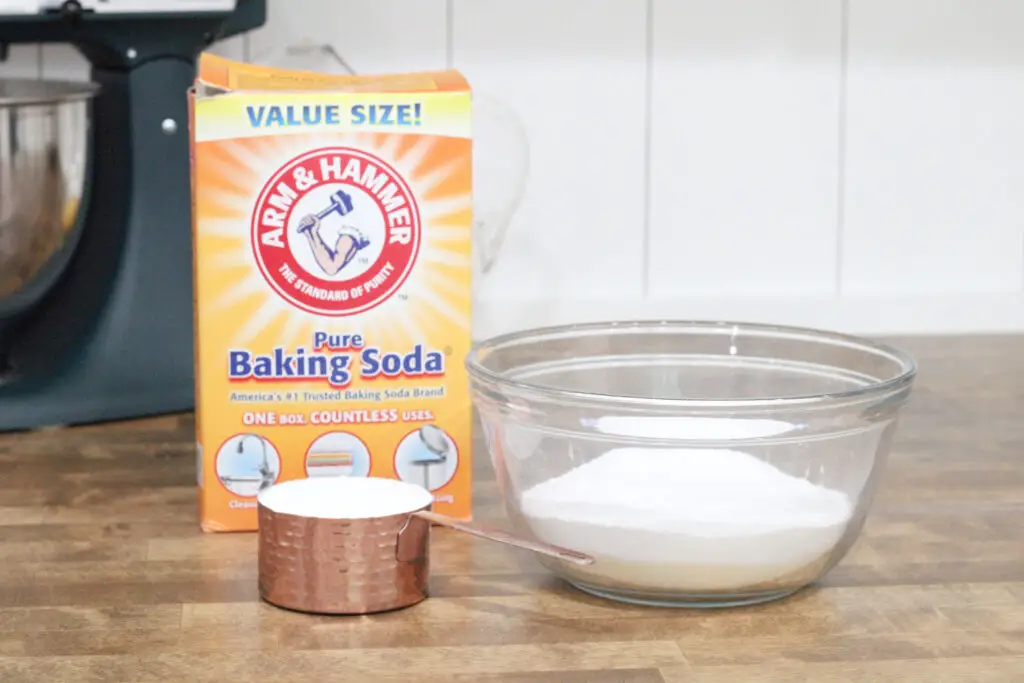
[(852, 164)]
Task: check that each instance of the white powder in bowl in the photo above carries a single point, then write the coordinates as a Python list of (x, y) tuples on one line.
[(345, 497), (687, 519)]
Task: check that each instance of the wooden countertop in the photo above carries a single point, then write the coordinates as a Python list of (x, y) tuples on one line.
[(105, 577)]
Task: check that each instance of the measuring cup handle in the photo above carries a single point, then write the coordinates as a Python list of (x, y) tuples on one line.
[(500, 536)]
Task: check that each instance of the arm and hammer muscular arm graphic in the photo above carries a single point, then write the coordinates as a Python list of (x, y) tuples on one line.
[(330, 260), (349, 241)]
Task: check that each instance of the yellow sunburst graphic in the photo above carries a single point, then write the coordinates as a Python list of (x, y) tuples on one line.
[(433, 305)]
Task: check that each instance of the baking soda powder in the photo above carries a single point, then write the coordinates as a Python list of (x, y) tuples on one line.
[(344, 497), (687, 519)]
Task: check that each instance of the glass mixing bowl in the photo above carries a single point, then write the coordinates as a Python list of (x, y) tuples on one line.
[(701, 463)]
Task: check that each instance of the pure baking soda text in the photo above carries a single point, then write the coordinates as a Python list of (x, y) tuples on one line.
[(332, 231)]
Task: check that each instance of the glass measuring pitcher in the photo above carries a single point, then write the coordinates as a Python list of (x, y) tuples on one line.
[(501, 151)]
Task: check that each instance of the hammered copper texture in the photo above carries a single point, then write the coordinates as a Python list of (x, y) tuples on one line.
[(334, 566)]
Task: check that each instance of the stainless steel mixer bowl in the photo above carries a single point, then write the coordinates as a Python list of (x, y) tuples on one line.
[(44, 141)]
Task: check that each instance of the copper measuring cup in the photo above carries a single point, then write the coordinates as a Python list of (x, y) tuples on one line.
[(356, 545)]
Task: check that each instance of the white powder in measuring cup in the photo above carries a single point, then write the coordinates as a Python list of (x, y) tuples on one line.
[(345, 497), (687, 519)]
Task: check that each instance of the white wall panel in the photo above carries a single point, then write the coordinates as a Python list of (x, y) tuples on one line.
[(935, 147), (745, 112), (574, 72), (236, 47), (377, 36)]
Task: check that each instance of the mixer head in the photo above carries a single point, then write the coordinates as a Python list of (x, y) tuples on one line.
[(43, 148)]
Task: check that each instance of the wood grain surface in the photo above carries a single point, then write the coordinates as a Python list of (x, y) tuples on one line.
[(105, 577)]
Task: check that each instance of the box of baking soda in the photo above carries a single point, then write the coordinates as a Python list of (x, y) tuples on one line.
[(332, 237)]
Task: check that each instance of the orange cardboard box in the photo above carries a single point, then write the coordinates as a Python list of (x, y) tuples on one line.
[(332, 233)]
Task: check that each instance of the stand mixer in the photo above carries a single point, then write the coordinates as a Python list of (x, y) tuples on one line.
[(95, 257)]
